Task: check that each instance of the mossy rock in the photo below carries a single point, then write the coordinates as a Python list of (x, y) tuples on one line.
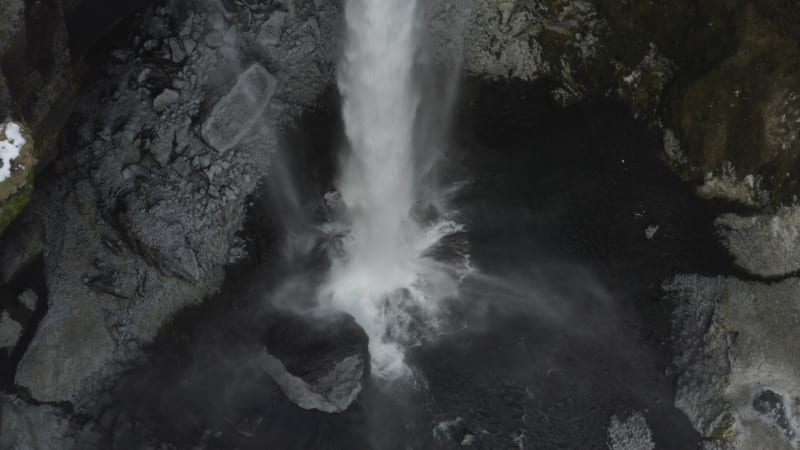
[(746, 112), (11, 12), (649, 43), (784, 14), (695, 35), (15, 191)]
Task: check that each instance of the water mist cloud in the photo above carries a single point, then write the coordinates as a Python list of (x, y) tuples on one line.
[(383, 274)]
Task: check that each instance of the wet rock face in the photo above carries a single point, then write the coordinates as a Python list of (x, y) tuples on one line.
[(720, 76), (37, 63), (20, 246), (142, 224), (41, 45), (527, 41), (319, 361), (581, 49)]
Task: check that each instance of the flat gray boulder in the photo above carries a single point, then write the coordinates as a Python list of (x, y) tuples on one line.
[(319, 361), (237, 111)]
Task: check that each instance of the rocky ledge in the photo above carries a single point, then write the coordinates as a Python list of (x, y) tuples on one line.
[(150, 185), (737, 365)]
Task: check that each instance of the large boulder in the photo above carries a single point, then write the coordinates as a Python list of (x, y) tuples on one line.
[(737, 361), (320, 361), (72, 343)]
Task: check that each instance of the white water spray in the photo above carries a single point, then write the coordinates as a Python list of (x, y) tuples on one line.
[(382, 275)]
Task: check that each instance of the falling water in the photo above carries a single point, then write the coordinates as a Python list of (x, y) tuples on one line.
[(382, 274)]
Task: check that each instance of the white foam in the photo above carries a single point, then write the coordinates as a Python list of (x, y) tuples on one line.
[(10, 147), (382, 272)]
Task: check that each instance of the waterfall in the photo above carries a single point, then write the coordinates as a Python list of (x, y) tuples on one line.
[(382, 274), (379, 106)]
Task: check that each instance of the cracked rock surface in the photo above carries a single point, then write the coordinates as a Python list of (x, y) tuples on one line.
[(163, 156), (735, 345)]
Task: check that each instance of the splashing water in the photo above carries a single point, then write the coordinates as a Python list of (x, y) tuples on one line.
[(382, 274)]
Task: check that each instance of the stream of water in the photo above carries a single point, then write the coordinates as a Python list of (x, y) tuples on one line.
[(382, 273)]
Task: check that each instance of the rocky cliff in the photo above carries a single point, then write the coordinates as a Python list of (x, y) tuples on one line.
[(154, 137)]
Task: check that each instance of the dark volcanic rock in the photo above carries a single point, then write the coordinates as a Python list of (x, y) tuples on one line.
[(24, 426), (19, 247), (143, 222), (320, 361), (42, 66)]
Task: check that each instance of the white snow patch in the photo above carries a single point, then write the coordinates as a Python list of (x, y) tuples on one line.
[(10, 147)]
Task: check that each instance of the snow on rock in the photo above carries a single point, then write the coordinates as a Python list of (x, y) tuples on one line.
[(11, 143)]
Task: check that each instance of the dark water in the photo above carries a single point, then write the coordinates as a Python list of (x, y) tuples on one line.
[(561, 328)]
